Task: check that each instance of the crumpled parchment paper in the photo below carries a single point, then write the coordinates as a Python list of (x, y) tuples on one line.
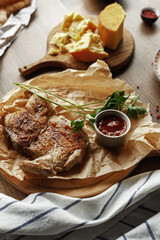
[(101, 167), (14, 25)]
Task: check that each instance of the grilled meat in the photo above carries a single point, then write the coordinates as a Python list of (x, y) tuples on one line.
[(23, 127), (49, 141)]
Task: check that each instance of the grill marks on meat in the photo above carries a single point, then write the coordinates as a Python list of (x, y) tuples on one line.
[(56, 133), (50, 141), (23, 127), (56, 149)]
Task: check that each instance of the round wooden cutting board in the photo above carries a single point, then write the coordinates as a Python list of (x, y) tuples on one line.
[(33, 185), (116, 60)]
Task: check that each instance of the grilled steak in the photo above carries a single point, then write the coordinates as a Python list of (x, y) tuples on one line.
[(49, 141)]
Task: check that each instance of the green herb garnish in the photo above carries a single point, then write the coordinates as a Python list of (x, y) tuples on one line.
[(77, 124), (133, 111), (117, 100)]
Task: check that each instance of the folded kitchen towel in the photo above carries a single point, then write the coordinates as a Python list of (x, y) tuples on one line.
[(149, 230), (57, 216), (140, 223), (14, 25)]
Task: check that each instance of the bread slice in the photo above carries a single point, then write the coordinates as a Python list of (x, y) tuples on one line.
[(9, 6)]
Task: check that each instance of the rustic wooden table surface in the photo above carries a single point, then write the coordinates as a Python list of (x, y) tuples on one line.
[(30, 46)]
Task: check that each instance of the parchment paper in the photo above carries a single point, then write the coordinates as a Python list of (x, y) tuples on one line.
[(101, 167)]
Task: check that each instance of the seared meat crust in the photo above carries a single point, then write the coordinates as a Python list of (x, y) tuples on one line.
[(23, 127), (49, 141), (56, 149)]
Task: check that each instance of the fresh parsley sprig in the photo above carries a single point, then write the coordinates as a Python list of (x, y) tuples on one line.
[(114, 101), (77, 124), (117, 100), (133, 110)]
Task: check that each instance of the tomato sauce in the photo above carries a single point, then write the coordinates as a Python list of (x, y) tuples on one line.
[(149, 14), (112, 126)]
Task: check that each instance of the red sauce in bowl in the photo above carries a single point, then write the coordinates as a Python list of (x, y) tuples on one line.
[(149, 14), (112, 126)]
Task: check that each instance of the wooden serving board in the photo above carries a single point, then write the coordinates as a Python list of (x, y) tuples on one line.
[(117, 59)]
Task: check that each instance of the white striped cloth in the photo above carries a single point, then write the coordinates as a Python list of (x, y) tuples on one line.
[(53, 216), (14, 25), (140, 223)]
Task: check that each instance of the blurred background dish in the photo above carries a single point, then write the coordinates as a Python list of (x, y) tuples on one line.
[(149, 15), (156, 64)]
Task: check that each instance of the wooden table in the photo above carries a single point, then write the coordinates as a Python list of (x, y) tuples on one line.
[(30, 46)]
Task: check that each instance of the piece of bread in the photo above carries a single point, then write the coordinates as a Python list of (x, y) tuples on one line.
[(9, 6), (4, 3)]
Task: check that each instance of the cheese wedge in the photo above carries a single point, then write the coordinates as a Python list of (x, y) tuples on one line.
[(53, 51), (110, 25), (88, 49), (76, 25), (78, 38), (60, 38)]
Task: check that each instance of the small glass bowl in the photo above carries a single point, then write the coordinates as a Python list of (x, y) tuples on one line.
[(149, 20), (111, 141)]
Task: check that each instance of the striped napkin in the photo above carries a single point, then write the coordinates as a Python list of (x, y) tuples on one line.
[(14, 25), (54, 216)]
